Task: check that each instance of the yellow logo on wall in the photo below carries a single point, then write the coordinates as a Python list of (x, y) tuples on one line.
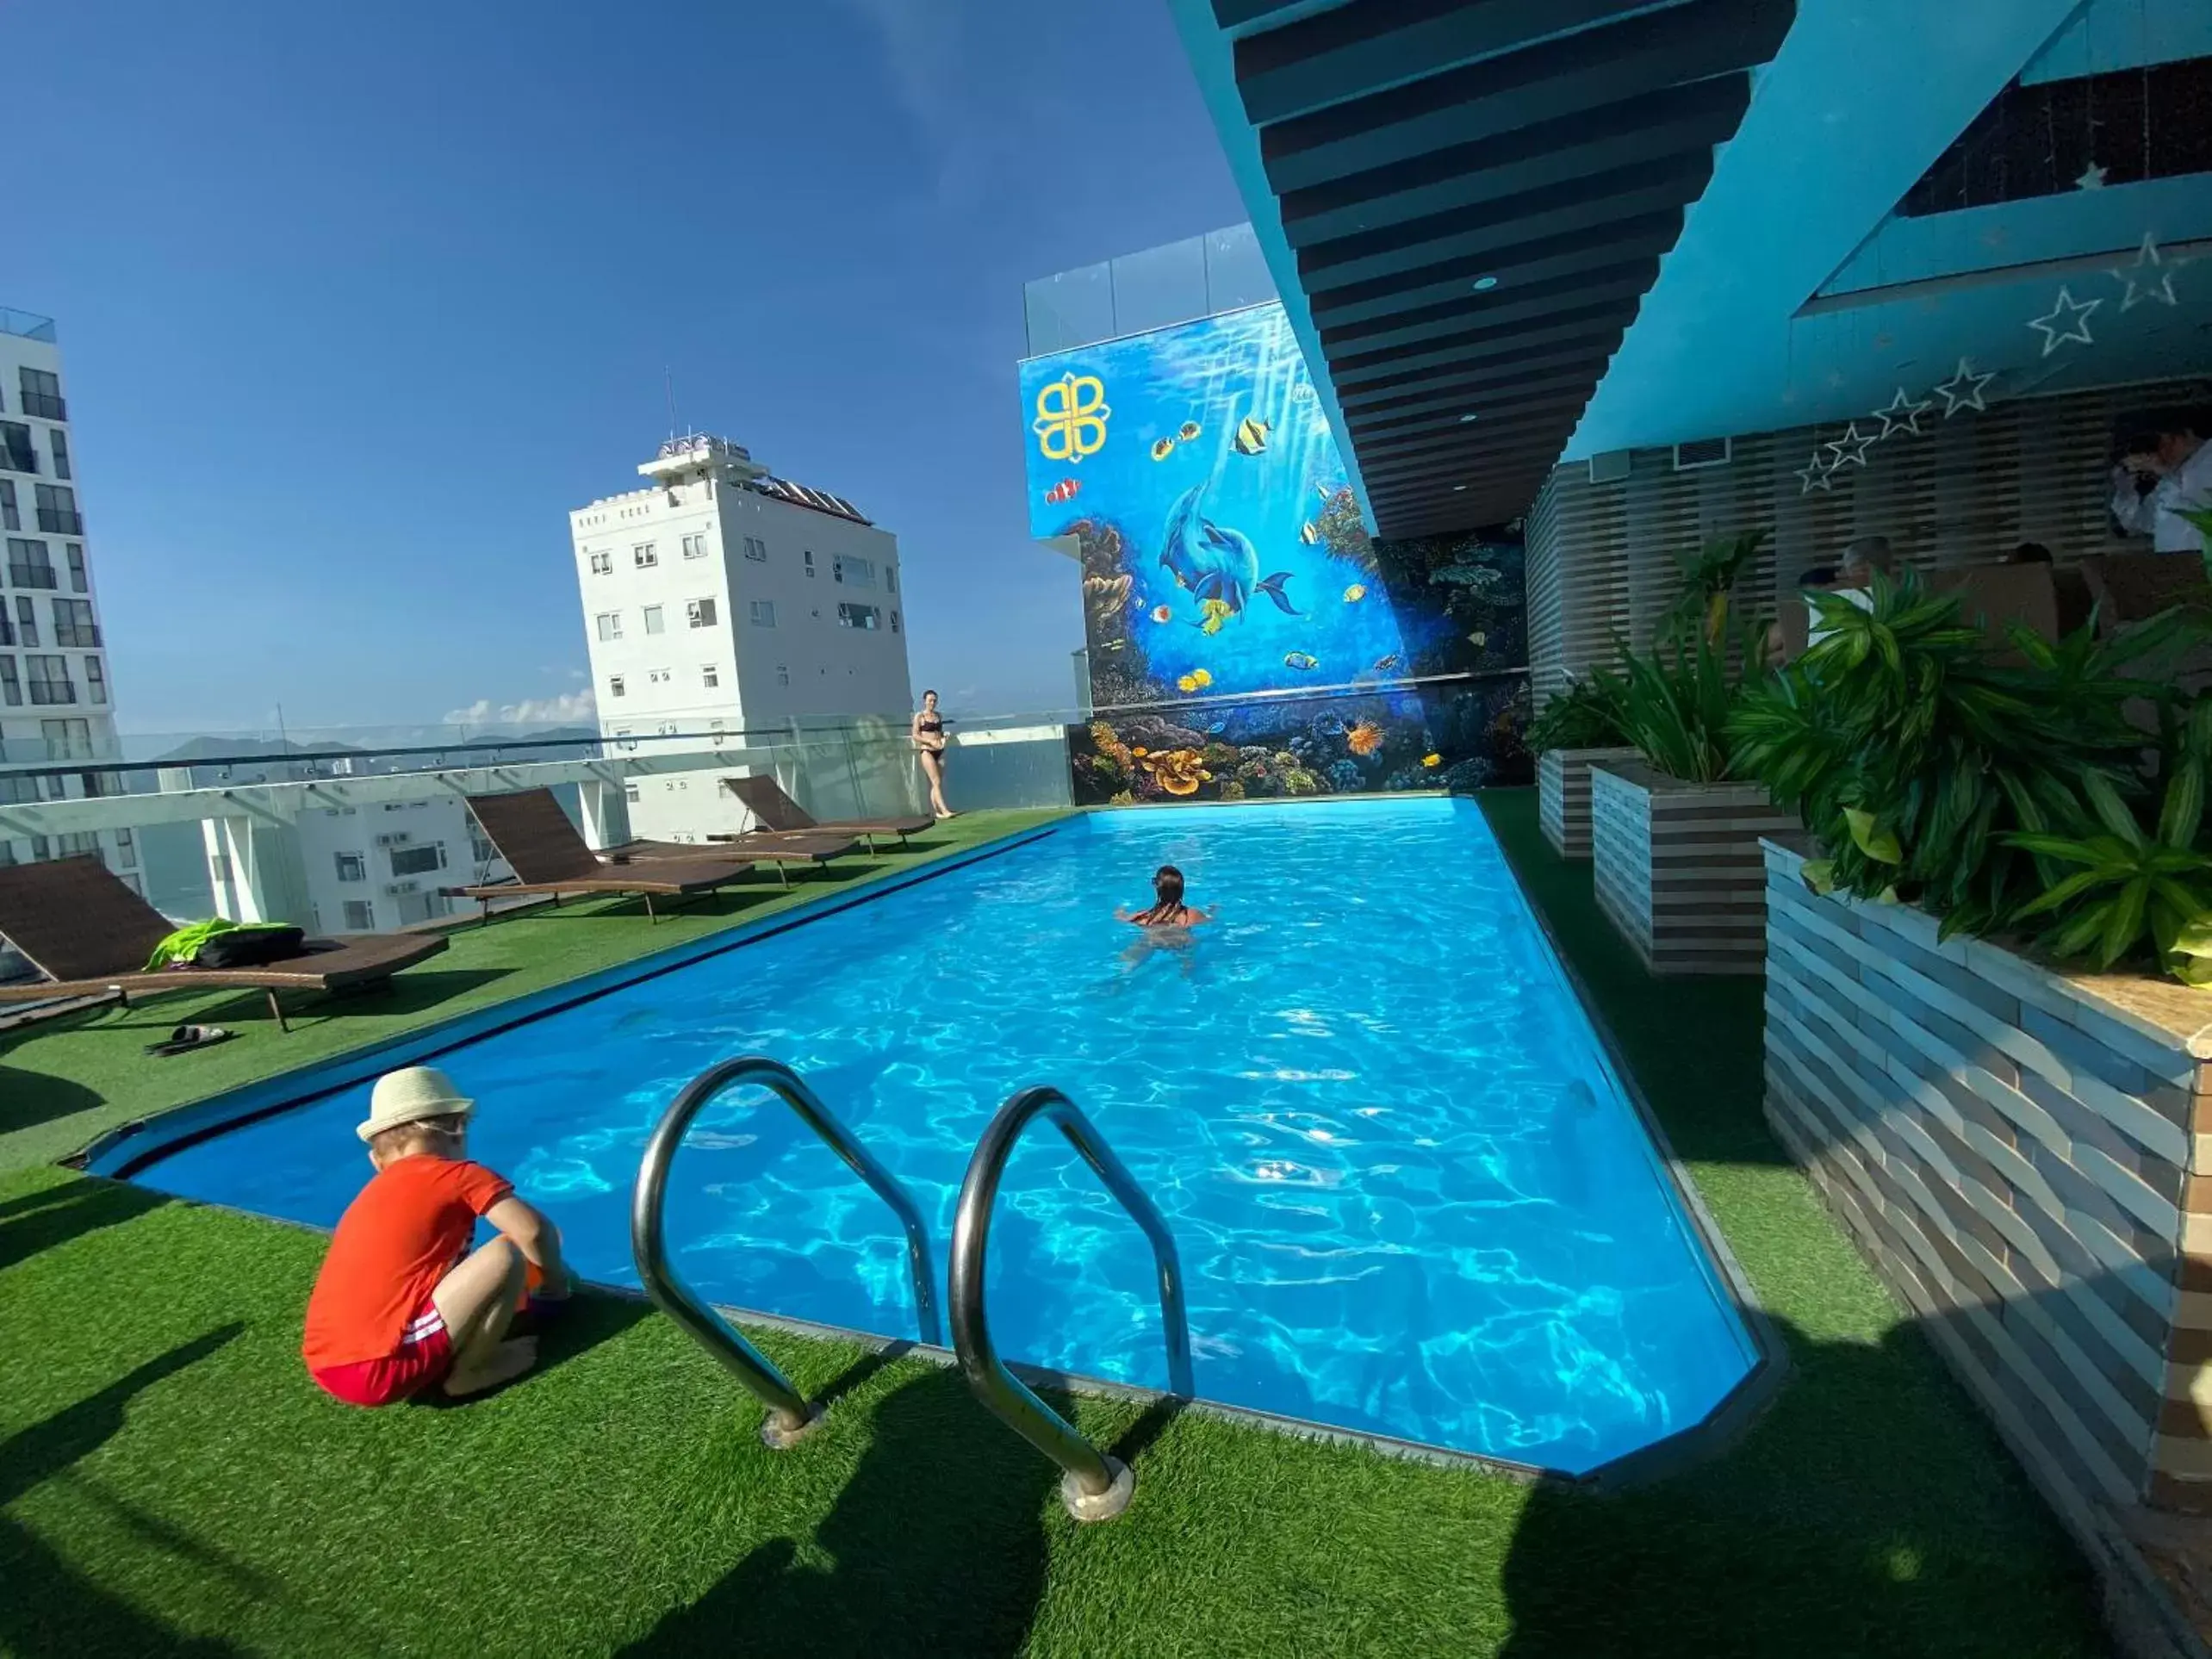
[(1072, 416)]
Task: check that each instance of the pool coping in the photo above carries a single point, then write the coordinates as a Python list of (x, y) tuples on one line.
[(112, 1156), (166, 1132)]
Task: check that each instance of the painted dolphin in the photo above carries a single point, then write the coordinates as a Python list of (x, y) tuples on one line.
[(1216, 564)]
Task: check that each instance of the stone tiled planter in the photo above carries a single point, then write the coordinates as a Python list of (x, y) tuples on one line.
[(1562, 796), (2025, 1157), (1678, 868)]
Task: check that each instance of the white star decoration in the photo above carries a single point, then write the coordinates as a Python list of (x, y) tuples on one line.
[(2148, 263), (1816, 474), (1964, 390), (1902, 415), (2075, 314), (1850, 449), (2092, 178)]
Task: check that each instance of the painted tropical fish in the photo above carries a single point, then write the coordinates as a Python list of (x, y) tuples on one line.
[(1163, 448), (1216, 564), (1190, 430), (1161, 614), (1385, 664), (1187, 683), (1215, 612), (1063, 491), (1309, 532), (1431, 759), (1354, 593), (1251, 435), (1301, 660), (1202, 677)]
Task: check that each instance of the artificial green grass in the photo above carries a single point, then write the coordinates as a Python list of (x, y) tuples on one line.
[(65, 1081), (169, 1479)]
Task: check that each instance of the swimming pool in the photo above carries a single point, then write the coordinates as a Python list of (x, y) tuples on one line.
[(1355, 1099)]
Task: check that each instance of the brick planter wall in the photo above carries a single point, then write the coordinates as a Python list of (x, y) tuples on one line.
[(2026, 1158), (1678, 868), (1563, 785)]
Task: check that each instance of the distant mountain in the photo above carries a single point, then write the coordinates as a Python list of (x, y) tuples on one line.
[(195, 749)]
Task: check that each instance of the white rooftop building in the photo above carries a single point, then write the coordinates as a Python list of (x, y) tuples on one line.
[(719, 600)]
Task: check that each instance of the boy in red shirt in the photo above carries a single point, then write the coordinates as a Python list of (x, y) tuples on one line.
[(403, 1305)]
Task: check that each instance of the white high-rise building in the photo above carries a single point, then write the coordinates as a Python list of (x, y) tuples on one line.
[(721, 600), (57, 696)]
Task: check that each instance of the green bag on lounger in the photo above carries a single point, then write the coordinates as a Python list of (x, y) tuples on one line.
[(217, 943)]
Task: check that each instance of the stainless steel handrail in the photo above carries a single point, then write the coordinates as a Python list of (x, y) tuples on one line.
[(1094, 1485), (789, 1414)]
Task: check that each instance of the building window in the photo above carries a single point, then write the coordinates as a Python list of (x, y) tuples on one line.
[(756, 550), (630, 793), (853, 573), (360, 915), (709, 675), (644, 555), (27, 619), (96, 680), (783, 674), (763, 612), (858, 616), (42, 395), (891, 578), (894, 622), (809, 562), (352, 867), (11, 688), (58, 441), (73, 624), (695, 546), (66, 740), (126, 849), (28, 564), (74, 552), (614, 685), (16, 453), (11, 519), (610, 624), (418, 860), (701, 613), (49, 678), (602, 564), (480, 851), (653, 623), (57, 505)]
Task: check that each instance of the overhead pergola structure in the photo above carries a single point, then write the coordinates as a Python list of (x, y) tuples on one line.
[(1473, 196)]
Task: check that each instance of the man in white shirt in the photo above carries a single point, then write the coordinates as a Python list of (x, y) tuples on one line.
[(2166, 453)]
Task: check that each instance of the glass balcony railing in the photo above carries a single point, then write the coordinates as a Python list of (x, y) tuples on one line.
[(27, 324), (31, 575), (45, 406), (50, 693), (61, 521)]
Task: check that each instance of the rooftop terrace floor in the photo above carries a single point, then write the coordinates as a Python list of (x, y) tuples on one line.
[(170, 1480)]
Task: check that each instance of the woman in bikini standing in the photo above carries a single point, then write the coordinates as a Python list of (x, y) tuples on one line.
[(928, 732)]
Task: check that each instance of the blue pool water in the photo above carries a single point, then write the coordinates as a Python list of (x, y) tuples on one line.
[(1354, 1099)]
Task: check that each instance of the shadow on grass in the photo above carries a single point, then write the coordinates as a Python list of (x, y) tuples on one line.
[(29, 1098), (36, 1221), (49, 1607), (936, 1546)]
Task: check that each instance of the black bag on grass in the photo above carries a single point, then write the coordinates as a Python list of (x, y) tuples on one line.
[(249, 946)]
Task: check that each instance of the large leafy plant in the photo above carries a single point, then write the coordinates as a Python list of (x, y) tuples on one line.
[(1995, 794), (1587, 714), (1678, 700), (1709, 577)]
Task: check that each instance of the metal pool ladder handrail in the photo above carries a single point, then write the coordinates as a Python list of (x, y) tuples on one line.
[(790, 1414), (1094, 1485)]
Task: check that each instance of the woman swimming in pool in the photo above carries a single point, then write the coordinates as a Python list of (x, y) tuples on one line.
[(1168, 910)]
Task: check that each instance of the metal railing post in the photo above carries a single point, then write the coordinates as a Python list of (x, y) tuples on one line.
[(1094, 1485), (790, 1414)]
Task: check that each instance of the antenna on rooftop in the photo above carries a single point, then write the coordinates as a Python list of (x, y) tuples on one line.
[(669, 376)]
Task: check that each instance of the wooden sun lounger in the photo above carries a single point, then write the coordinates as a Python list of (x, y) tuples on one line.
[(538, 843), (776, 811), (89, 934)]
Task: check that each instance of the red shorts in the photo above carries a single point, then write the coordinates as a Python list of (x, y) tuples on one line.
[(425, 1355)]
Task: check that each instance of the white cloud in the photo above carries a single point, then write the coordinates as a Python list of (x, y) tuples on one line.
[(924, 57), (565, 709)]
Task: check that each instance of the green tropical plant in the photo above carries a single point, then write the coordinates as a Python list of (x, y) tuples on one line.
[(2202, 520), (1709, 577), (1995, 794), (1587, 714), (1678, 699)]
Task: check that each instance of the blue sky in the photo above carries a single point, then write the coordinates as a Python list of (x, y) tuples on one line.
[(357, 302)]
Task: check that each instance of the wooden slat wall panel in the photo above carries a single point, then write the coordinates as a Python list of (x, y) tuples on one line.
[(2017, 1159), (1965, 491)]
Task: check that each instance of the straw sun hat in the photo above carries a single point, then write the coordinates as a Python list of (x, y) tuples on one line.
[(407, 1096)]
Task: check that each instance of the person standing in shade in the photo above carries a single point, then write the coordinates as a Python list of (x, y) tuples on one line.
[(2165, 467), (928, 732)]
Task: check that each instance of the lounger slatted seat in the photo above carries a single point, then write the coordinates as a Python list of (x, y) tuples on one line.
[(776, 811), (538, 843), (88, 933)]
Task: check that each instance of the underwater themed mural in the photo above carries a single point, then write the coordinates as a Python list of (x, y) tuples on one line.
[(1247, 637)]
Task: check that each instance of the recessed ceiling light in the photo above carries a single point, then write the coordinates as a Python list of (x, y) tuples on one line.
[(1484, 284), (1456, 488), (1464, 418)]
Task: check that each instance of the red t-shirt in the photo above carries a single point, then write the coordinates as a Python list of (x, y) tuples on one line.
[(396, 1240)]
